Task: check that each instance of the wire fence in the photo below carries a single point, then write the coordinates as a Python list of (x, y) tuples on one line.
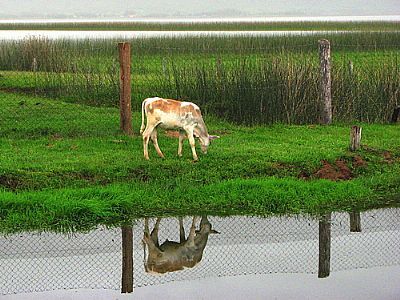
[(33, 262), (72, 87)]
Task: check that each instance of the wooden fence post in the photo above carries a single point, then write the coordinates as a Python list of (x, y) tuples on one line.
[(355, 221), (355, 138), (324, 246), (125, 88), (326, 82), (351, 67), (127, 259), (34, 70)]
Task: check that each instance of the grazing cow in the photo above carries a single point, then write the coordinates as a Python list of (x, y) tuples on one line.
[(173, 114), (173, 256)]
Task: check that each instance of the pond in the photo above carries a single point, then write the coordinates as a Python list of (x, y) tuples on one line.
[(194, 248)]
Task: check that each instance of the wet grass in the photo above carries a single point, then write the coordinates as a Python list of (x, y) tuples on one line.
[(57, 172)]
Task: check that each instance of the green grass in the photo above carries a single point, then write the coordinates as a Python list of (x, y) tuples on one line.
[(70, 169), (207, 26), (247, 80), (65, 166)]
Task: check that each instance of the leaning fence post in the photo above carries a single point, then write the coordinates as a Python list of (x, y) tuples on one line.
[(355, 138), (324, 246), (125, 88), (326, 82), (127, 259)]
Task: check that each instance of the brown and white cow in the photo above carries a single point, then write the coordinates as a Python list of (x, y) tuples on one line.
[(172, 114), (173, 256)]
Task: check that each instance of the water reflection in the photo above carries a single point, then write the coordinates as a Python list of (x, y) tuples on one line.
[(172, 256), (182, 249)]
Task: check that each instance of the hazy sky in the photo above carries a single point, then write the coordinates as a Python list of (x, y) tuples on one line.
[(214, 8)]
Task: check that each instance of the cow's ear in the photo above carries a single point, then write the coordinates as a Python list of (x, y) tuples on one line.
[(213, 137), (214, 231)]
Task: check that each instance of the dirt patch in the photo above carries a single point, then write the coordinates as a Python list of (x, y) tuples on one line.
[(388, 157), (358, 162), (337, 171), (10, 182), (139, 174)]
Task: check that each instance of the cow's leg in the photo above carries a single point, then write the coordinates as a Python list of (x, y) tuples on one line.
[(181, 231), (192, 143), (146, 137), (155, 143), (147, 239), (192, 232), (180, 145), (146, 235), (154, 232), (146, 226)]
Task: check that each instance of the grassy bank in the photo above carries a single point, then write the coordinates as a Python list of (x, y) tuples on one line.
[(207, 26), (62, 173)]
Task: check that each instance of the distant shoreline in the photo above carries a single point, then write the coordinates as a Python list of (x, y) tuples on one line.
[(191, 26), (387, 18)]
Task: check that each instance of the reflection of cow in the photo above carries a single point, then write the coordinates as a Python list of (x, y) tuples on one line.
[(173, 256)]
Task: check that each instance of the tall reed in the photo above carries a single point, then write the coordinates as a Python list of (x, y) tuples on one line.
[(250, 80)]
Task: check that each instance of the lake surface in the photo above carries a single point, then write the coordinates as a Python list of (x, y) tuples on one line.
[(64, 34), (207, 20), (243, 246)]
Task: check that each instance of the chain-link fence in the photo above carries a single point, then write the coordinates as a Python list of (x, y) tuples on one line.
[(244, 245), (68, 87)]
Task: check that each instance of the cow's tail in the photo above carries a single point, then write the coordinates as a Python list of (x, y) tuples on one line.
[(143, 113)]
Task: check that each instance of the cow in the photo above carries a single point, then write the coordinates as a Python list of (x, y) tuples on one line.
[(172, 114), (173, 256)]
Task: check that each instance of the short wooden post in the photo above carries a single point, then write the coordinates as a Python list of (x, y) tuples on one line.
[(127, 259), (355, 221), (324, 246), (34, 65), (355, 138), (125, 88), (326, 82), (351, 67), (395, 115), (34, 70)]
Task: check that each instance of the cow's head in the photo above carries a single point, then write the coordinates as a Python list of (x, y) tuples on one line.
[(205, 142)]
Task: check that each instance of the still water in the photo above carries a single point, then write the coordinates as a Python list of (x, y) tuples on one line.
[(208, 20), (191, 248)]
